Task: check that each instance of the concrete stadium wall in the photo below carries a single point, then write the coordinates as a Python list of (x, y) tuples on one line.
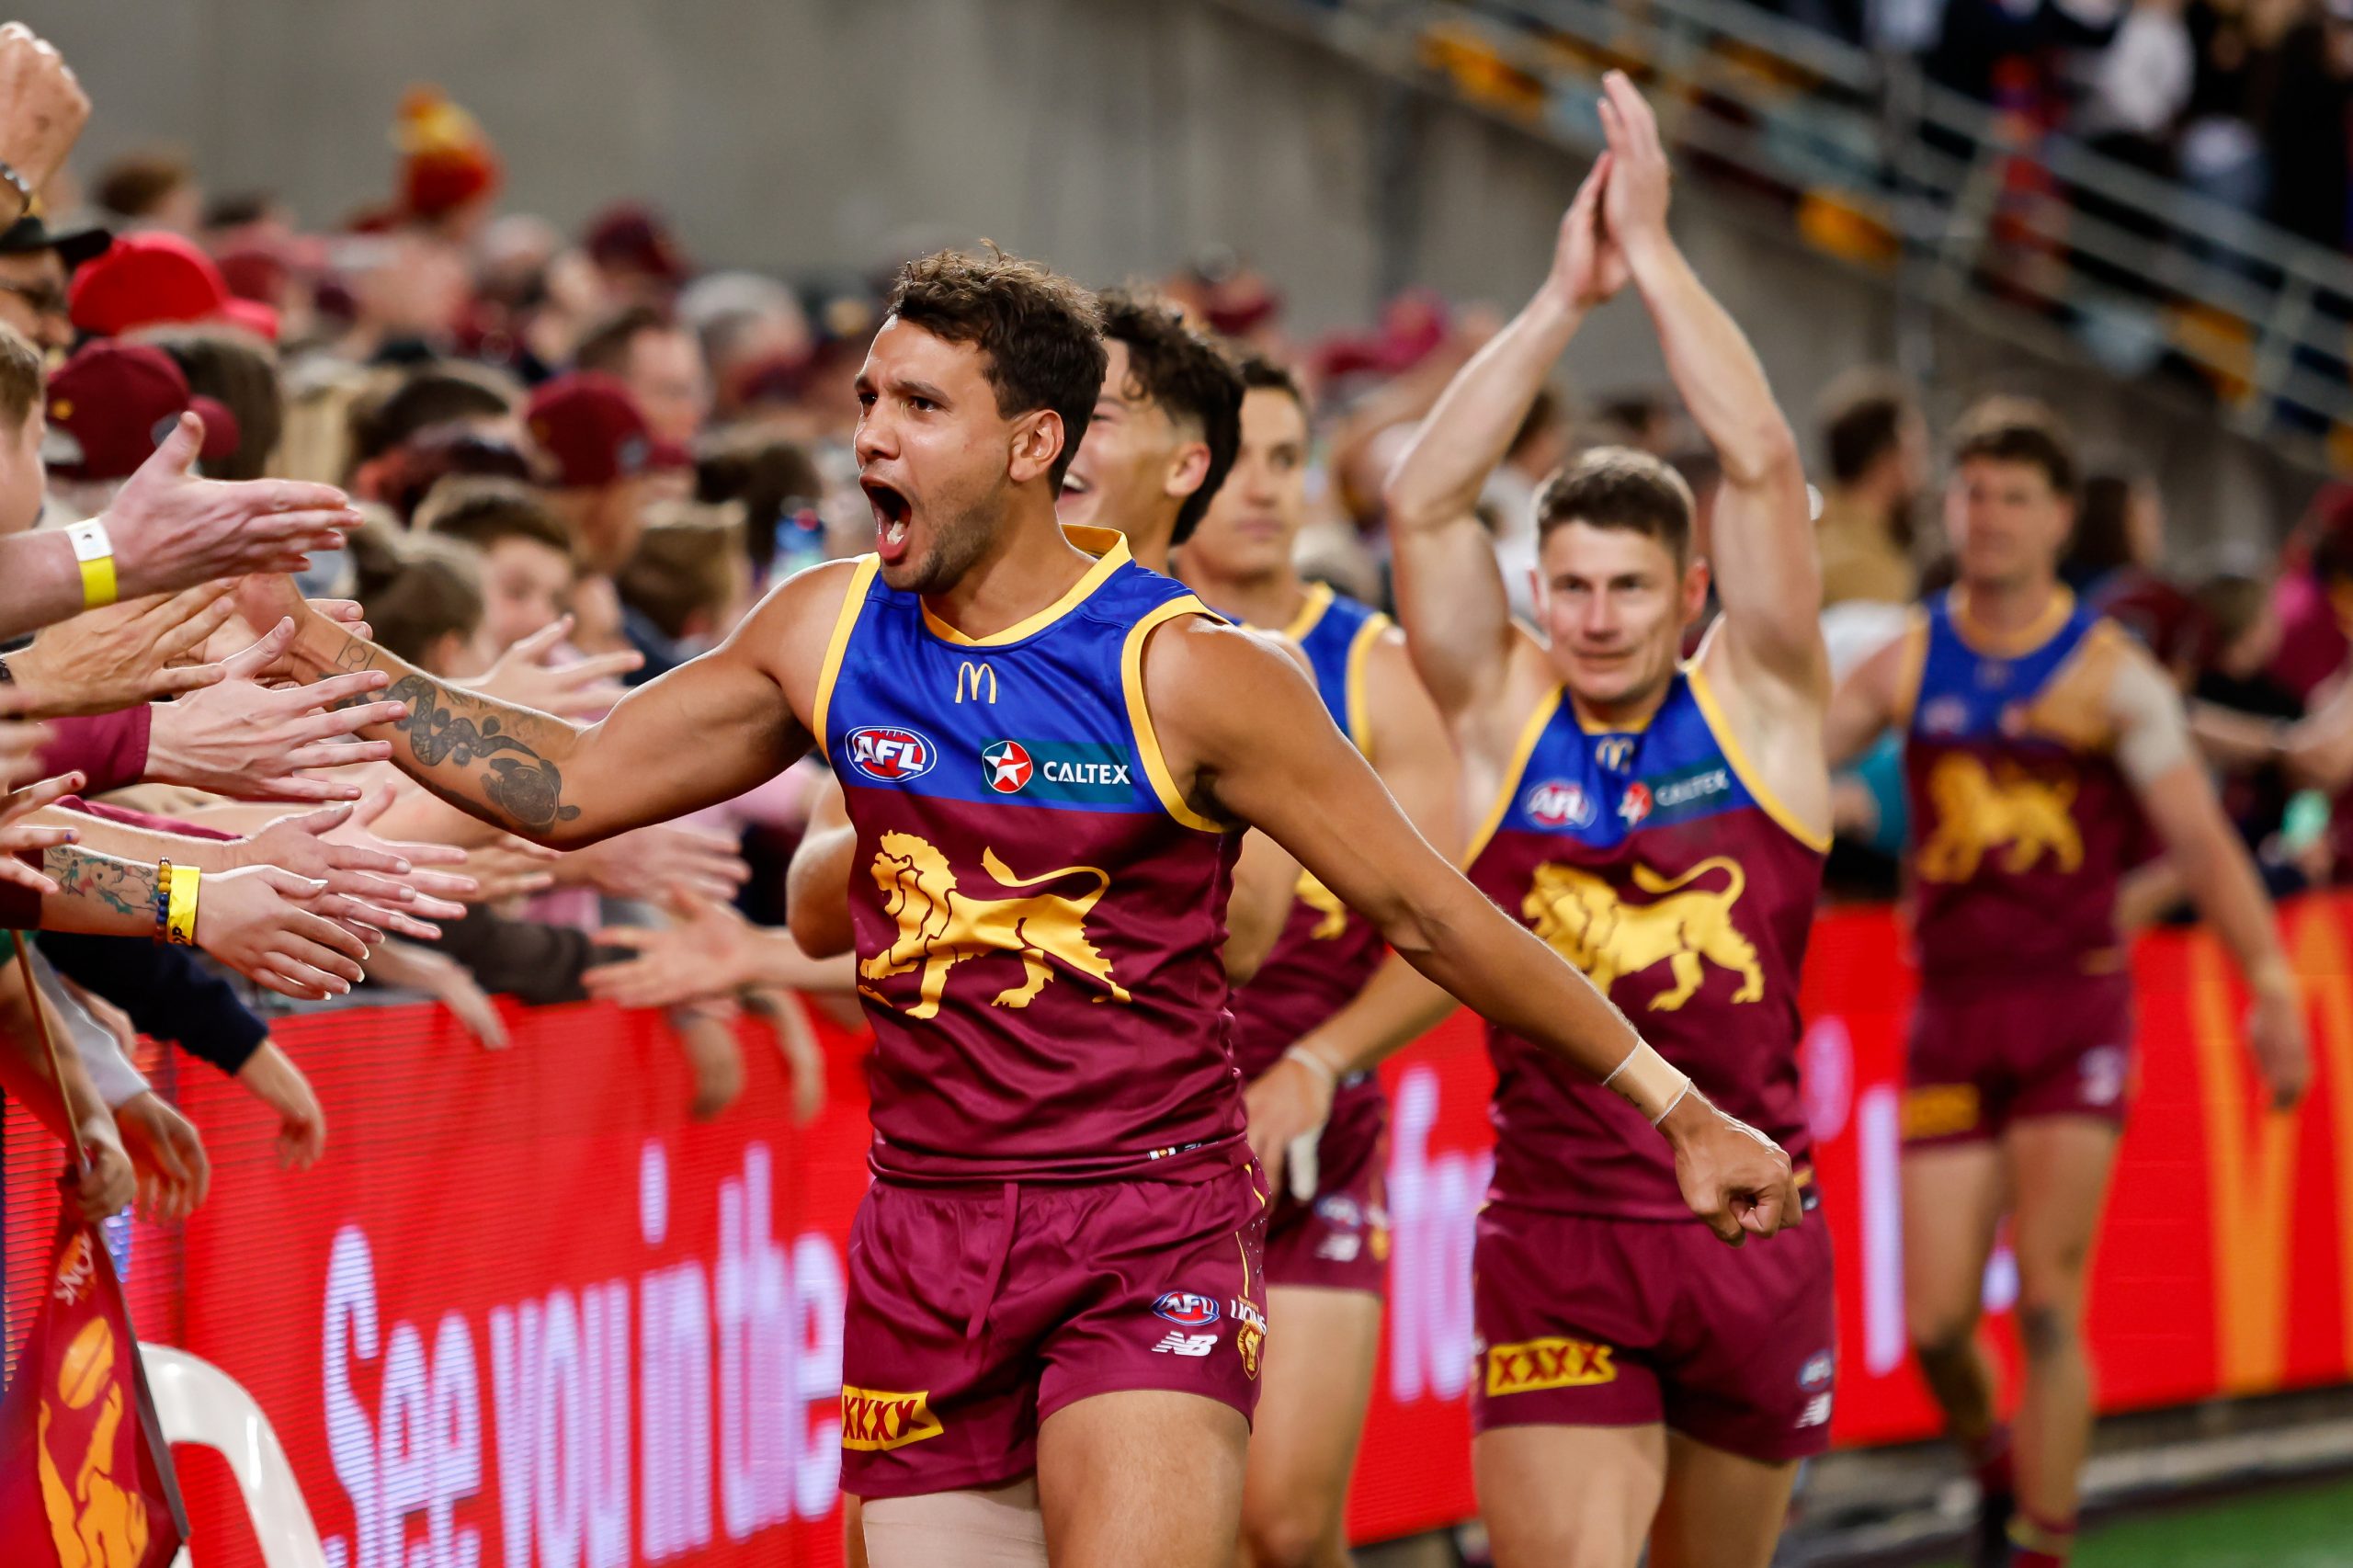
[(1110, 136)]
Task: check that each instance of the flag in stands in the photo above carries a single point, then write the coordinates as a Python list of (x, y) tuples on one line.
[(85, 1477)]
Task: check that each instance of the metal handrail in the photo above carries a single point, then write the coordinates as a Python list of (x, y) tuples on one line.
[(1942, 172)]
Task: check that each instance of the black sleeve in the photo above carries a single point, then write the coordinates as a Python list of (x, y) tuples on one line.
[(168, 994), (528, 959)]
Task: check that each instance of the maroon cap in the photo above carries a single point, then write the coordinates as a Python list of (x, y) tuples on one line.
[(587, 422), (627, 237), (111, 406), (153, 277)]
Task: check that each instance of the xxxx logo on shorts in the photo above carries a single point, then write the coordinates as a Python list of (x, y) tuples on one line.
[(874, 1420), (1548, 1364), (1940, 1110)]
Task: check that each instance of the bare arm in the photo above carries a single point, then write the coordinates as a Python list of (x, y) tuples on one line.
[(816, 885), (2153, 747), (1265, 883), (1767, 571), (704, 733), (1450, 594), (1864, 705), (1247, 737)]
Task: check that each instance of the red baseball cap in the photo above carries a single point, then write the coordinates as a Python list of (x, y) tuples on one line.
[(111, 406), (587, 422), (151, 276)]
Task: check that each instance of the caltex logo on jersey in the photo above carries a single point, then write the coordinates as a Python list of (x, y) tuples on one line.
[(1006, 767), (892, 755), (1560, 803), (1188, 1307)]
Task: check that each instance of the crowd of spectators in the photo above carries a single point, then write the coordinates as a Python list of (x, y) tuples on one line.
[(555, 465), (2245, 100)]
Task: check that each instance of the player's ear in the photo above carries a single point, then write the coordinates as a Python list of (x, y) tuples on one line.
[(1695, 589), (1188, 469), (1037, 444)]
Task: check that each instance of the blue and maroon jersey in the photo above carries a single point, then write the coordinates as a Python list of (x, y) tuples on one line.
[(1657, 863), (2021, 822), (1327, 950), (1039, 913)]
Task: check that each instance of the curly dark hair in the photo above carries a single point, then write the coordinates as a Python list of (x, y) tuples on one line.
[(1040, 334), (1178, 368)]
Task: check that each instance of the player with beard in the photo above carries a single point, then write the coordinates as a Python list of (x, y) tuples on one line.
[(1663, 825), (1055, 1310), (1327, 1237), (2037, 736)]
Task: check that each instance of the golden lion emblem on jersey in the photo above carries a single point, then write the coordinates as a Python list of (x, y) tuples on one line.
[(1685, 927), (1979, 810), (940, 925)]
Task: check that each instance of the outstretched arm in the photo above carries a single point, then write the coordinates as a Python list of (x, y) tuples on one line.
[(1450, 595), (1248, 738), (704, 733), (2154, 750), (1767, 571)]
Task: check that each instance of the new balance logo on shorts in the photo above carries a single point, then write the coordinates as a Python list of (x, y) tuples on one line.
[(1537, 1364), (1179, 1344)]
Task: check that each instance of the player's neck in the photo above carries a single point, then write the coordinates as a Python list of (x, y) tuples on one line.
[(1630, 713), (1030, 566), (1268, 600), (2009, 609), (1150, 539)]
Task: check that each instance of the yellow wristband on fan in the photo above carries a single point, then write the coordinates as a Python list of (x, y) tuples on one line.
[(179, 920), (95, 554)]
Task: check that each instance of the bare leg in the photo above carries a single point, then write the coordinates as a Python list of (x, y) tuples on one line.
[(1721, 1510), (1952, 1202), (1569, 1496), (2060, 1166), (1145, 1479), (1312, 1393)]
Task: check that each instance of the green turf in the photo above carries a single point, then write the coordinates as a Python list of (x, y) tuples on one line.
[(2305, 1527)]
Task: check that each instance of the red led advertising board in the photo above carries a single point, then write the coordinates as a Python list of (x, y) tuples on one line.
[(526, 1313)]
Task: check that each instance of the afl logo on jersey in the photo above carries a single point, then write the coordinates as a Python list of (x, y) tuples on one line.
[(1188, 1307), (892, 755), (1006, 767), (1559, 803)]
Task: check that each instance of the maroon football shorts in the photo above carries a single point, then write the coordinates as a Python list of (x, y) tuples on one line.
[(975, 1312), (1591, 1322), (1981, 1057), (1340, 1239)]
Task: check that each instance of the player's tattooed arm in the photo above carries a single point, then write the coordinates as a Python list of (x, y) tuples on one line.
[(705, 733)]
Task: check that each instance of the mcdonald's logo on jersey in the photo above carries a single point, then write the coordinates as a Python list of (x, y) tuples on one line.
[(975, 678), (1615, 752)]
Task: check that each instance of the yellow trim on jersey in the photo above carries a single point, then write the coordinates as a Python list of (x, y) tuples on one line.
[(861, 582), (1915, 667), (1156, 765), (2011, 644), (1728, 743), (1359, 720), (1110, 548), (1529, 733), (1319, 599)]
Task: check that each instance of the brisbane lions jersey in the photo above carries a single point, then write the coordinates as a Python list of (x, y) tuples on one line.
[(2021, 822), (1657, 863), (1039, 913)]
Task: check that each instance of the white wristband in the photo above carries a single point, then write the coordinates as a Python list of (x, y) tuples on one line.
[(1322, 1068), (1649, 1083)]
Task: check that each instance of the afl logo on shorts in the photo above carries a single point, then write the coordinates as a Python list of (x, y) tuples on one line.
[(1188, 1307), (1817, 1371), (1006, 767), (892, 755), (1560, 803)]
